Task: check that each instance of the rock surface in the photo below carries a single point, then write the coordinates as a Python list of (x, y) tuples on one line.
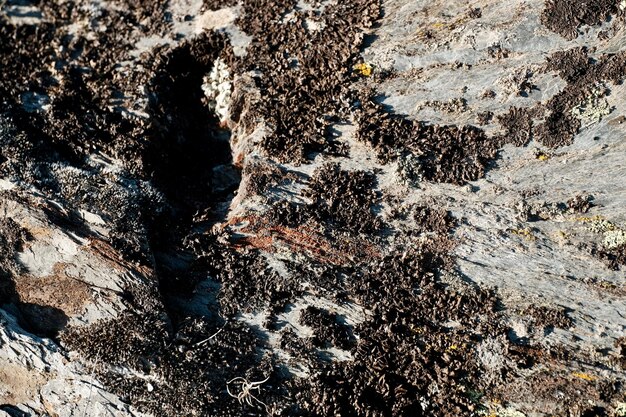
[(285, 207)]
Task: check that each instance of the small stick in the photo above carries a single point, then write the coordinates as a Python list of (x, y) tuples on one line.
[(211, 337)]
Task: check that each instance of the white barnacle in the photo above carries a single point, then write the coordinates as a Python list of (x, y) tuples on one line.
[(217, 87), (614, 238)]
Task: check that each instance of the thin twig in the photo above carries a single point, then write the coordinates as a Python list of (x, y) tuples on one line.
[(212, 336)]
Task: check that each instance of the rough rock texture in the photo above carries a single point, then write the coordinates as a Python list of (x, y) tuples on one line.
[(312, 208)]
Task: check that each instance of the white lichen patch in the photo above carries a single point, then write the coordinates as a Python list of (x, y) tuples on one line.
[(614, 238), (593, 109), (598, 225), (409, 169), (613, 235), (620, 408), (217, 87)]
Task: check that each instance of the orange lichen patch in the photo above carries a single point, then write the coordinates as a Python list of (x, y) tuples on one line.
[(104, 250), (18, 384), (57, 290), (49, 408), (38, 232), (238, 161), (257, 233)]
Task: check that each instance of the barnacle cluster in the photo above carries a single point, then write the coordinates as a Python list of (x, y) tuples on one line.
[(217, 86), (614, 238)]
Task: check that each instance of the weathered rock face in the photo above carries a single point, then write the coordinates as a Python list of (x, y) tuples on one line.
[(312, 208), (525, 218), (58, 272)]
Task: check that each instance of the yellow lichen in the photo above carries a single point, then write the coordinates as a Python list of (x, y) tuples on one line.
[(525, 233), (584, 376), (561, 235), (585, 219), (433, 28), (542, 156), (416, 330), (614, 236), (607, 285), (455, 347), (363, 69)]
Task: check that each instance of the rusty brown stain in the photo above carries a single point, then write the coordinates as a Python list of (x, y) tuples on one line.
[(56, 290), (260, 234), (18, 384), (104, 250)]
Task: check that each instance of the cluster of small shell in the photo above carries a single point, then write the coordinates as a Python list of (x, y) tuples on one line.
[(217, 89), (614, 238)]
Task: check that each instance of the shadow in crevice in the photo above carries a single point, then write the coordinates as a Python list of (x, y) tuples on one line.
[(13, 411), (186, 141), (40, 320), (190, 157)]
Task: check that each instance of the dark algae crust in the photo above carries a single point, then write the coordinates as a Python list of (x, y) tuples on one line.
[(566, 17), (586, 77)]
